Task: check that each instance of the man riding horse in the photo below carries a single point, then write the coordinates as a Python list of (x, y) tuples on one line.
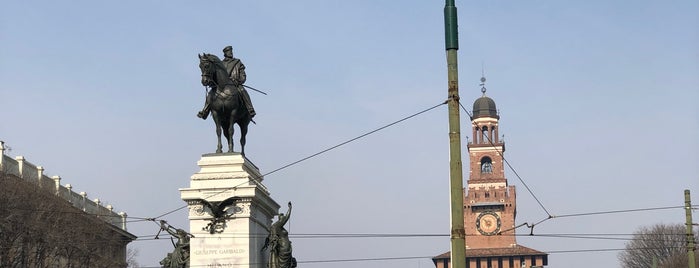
[(236, 71)]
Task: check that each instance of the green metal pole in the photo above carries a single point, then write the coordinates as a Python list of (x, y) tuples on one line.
[(690, 233), (458, 243)]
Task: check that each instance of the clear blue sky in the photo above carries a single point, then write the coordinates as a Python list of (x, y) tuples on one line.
[(598, 104)]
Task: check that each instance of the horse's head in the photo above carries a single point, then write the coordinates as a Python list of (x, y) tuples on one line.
[(210, 64)]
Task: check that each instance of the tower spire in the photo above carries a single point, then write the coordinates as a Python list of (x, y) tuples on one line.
[(482, 84)]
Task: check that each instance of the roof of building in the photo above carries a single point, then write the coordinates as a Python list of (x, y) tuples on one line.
[(495, 252)]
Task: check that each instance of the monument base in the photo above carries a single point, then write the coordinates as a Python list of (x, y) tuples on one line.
[(237, 237)]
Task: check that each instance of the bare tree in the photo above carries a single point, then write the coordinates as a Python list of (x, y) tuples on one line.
[(131, 254), (38, 229), (679, 261), (666, 242)]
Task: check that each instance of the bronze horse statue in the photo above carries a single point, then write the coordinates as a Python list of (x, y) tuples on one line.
[(227, 106)]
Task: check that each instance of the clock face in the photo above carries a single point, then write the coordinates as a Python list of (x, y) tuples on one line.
[(488, 223)]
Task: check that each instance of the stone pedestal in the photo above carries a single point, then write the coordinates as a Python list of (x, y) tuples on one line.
[(237, 241)]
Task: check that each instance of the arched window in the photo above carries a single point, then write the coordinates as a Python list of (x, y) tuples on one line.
[(486, 165)]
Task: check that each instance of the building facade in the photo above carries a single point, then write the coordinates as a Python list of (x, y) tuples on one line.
[(49, 225), (490, 203)]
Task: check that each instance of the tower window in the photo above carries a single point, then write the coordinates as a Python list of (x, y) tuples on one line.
[(486, 165)]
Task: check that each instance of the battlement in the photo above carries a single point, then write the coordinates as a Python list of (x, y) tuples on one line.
[(485, 193), (22, 168)]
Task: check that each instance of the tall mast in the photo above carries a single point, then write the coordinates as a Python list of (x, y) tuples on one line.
[(458, 247), (690, 234)]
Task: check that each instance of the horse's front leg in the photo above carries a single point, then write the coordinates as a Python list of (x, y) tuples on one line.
[(231, 130), (243, 132), (218, 131)]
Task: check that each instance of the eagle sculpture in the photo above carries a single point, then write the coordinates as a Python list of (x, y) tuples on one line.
[(218, 211)]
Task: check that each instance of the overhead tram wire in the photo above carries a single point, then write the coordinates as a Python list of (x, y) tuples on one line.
[(408, 235), (592, 236), (550, 216), (531, 227), (356, 138), (563, 235), (607, 249), (596, 213), (427, 257), (513, 170), (680, 237), (616, 211), (323, 261), (313, 155), (214, 194), (76, 211)]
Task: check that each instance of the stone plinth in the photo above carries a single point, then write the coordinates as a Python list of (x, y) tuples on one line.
[(237, 242)]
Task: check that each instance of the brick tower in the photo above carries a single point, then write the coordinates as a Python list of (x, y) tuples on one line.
[(490, 204)]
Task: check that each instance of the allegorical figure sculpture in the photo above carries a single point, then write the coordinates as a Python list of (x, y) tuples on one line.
[(279, 244), (227, 100), (179, 258)]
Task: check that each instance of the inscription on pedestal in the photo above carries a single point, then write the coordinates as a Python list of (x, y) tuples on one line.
[(215, 252)]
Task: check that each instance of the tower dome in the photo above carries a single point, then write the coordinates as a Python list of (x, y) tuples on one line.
[(484, 106)]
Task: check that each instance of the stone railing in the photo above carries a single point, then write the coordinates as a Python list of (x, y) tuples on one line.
[(22, 168)]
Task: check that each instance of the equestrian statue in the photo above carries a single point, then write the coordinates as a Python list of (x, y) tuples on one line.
[(227, 100)]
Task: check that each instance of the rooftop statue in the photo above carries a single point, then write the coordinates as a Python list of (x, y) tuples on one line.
[(227, 100), (279, 244)]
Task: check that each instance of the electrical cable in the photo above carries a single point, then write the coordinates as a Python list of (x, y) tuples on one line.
[(323, 261), (428, 257), (418, 235), (319, 153), (510, 166), (355, 138), (616, 211), (603, 250), (589, 214)]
